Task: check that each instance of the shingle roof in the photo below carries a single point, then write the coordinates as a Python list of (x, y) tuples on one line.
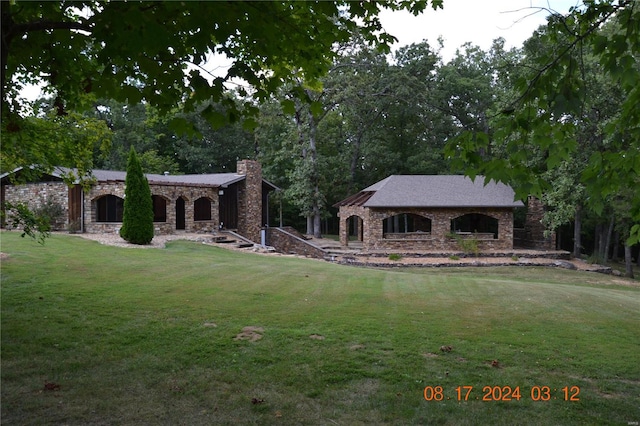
[(435, 191), (213, 180)]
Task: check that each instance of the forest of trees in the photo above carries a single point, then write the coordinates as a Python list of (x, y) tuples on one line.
[(557, 118)]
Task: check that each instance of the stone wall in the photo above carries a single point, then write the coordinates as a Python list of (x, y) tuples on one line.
[(286, 242), (250, 200), (170, 193), (439, 237), (37, 195), (358, 212)]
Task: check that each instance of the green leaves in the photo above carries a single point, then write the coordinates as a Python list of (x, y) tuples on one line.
[(575, 122)]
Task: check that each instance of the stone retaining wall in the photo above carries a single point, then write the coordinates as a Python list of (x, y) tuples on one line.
[(286, 242)]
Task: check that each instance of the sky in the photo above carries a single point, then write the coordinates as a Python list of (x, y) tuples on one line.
[(475, 21)]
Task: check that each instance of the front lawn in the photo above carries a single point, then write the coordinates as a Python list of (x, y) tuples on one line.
[(93, 334)]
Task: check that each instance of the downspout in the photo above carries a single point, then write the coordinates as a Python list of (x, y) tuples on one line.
[(268, 195), (82, 211)]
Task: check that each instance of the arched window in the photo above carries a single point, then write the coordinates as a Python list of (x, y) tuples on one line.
[(159, 208), (109, 208), (406, 222), (202, 209), (475, 223)]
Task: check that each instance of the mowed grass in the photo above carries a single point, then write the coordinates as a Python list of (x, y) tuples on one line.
[(93, 334)]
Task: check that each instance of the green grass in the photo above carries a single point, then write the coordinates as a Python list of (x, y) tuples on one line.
[(129, 336)]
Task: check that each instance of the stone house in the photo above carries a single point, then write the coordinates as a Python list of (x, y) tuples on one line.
[(189, 203), (429, 212)]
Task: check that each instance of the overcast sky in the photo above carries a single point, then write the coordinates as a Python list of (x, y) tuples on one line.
[(475, 21)]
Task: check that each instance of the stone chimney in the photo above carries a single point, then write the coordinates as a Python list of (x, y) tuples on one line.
[(250, 200), (534, 229)]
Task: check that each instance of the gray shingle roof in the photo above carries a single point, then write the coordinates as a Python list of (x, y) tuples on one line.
[(438, 191), (214, 180)]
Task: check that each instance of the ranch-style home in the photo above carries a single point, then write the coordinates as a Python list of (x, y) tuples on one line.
[(429, 212), (190, 203)]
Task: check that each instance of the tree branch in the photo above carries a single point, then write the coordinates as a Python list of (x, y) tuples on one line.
[(44, 25)]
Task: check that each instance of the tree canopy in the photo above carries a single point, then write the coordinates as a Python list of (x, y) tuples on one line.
[(540, 129), (155, 51)]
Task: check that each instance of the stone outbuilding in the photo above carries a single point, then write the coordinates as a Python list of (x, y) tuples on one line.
[(189, 203), (430, 212)]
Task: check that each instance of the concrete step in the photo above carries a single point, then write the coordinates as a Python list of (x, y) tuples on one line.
[(225, 241)]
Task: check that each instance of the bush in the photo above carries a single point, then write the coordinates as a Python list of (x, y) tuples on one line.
[(468, 245), (51, 212), (19, 216), (137, 217)]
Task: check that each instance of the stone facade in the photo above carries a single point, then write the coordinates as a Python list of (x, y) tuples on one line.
[(175, 203), (533, 235), (438, 238), (250, 200), (37, 195), (170, 194)]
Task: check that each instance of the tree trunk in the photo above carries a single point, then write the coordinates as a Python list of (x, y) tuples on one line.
[(577, 242), (317, 221), (354, 163), (607, 244), (602, 240), (615, 255), (314, 175), (627, 261), (309, 224)]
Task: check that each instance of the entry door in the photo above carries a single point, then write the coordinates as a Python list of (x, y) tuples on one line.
[(180, 215), (228, 201)]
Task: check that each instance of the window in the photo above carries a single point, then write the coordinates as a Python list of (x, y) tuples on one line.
[(405, 223), (109, 208), (475, 223), (159, 208), (202, 209)]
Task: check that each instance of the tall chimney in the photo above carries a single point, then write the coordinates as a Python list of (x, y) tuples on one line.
[(250, 200)]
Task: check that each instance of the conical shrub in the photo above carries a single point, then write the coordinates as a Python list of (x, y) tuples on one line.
[(137, 217)]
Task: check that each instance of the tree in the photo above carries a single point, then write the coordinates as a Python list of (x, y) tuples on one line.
[(552, 96), (157, 51), (137, 217)]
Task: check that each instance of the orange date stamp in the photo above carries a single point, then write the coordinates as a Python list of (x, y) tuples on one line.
[(502, 393)]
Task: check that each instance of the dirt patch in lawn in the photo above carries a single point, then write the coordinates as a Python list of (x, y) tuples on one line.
[(250, 333)]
